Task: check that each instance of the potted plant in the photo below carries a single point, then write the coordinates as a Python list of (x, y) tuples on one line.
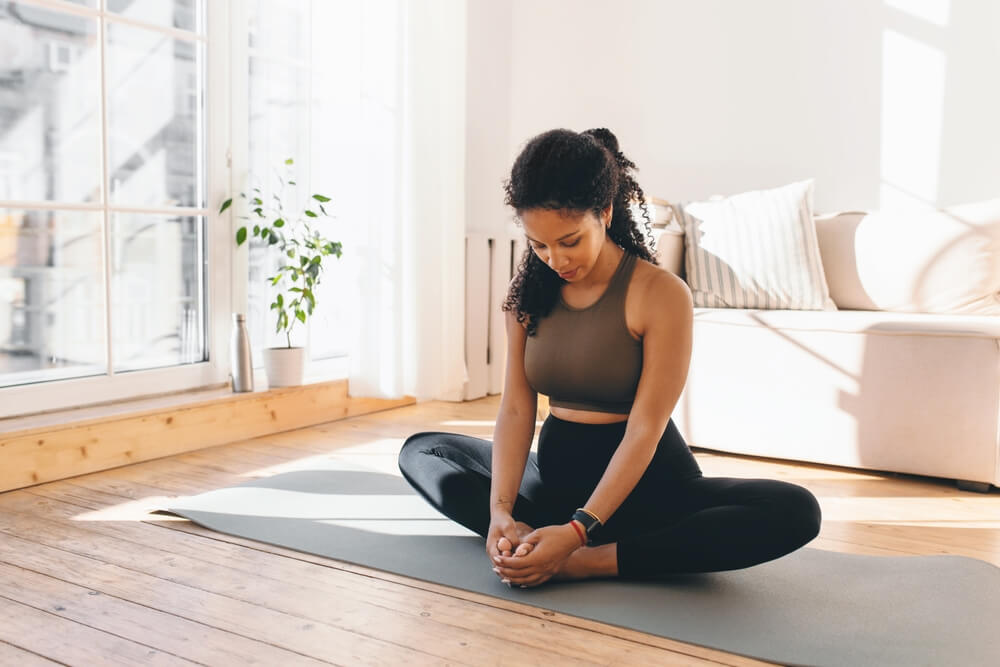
[(302, 248)]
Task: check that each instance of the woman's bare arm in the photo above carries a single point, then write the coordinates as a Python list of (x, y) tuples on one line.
[(515, 427), (668, 316)]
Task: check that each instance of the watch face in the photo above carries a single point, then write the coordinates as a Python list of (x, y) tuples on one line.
[(589, 522)]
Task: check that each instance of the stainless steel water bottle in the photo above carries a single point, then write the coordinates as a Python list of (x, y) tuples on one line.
[(239, 348)]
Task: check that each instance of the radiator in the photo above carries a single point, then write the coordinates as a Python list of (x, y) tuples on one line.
[(490, 262)]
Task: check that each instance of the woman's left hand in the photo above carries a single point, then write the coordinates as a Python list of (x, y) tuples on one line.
[(551, 546)]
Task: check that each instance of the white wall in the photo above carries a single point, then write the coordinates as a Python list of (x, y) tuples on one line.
[(884, 103), (488, 100)]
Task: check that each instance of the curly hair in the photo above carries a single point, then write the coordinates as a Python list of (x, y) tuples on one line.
[(563, 170)]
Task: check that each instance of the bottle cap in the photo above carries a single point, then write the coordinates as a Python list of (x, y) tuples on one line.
[(239, 317)]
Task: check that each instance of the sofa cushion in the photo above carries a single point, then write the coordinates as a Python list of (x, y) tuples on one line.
[(906, 392), (670, 249), (755, 250), (666, 234), (934, 261)]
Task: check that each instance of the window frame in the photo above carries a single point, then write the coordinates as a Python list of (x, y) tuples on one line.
[(226, 291)]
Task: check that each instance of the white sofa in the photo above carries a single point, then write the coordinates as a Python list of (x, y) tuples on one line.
[(872, 385)]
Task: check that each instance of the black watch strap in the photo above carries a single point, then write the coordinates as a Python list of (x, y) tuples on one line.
[(590, 524)]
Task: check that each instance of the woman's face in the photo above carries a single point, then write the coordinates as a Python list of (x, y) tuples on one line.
[(568, 242)]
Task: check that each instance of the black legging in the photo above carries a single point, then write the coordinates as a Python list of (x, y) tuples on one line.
[(675, 520)]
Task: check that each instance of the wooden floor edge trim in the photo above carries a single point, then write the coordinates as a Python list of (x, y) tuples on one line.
[(36, 456)]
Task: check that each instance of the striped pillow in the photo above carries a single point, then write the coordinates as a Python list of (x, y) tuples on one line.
[(755, 250)]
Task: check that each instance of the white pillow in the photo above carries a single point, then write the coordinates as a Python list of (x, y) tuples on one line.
[(931, 261), (755, 250)]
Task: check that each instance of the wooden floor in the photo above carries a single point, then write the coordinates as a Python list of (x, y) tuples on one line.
[(88, 576)]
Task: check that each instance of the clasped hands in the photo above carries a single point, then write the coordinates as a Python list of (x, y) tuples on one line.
[(531, 558)]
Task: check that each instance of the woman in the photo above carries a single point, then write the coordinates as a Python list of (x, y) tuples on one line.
[(593, 323)]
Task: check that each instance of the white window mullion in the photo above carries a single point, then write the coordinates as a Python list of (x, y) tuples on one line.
[(239, 143), (106, 196), (225, 294)]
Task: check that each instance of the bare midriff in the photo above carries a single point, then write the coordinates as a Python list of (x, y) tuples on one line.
[(587, 416)]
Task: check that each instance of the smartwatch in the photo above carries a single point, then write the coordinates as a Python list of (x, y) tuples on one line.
[(589, 521)]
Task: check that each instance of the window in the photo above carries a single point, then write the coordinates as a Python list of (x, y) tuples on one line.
[(303, 62), (111, 151)]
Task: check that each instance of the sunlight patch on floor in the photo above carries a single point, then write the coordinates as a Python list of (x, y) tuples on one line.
[(870, 509), (133, 510)]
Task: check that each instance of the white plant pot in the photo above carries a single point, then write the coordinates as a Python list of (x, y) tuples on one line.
[(285, 366)]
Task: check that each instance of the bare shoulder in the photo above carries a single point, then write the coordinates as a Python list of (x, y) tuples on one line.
[(658, 285), (654, 295), (512, 323)]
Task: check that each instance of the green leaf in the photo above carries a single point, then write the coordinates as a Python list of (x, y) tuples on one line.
[(259, 211), (257, 201), (317, 259), (301, 315), (275, 280), (312, 299), (291, 253), (273, 238), (278, 223), (256, 230), (288, 161), (274, 305), (241, 235), (321, 198), (323, 209), (311, 214), (303, 260), (292, 183), (226, 204), (280, 301)]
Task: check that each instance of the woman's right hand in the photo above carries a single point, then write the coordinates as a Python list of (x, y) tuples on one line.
[(501, 525)]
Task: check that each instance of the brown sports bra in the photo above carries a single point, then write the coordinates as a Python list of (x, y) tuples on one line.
[(585, 358)]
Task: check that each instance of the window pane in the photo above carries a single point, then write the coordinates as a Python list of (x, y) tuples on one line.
[(278, 127), (155, 118), (328, 327), (158, 278), (183, 14), (50, 118), (279, 29), (51, 296)]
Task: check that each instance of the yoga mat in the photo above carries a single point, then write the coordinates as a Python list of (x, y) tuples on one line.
[(811, 607)]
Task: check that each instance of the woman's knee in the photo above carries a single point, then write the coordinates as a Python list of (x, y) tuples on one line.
[(798, 506), (414, 446)]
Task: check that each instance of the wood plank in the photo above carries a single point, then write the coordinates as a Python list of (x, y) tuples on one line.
[(138, 622), (12, 655), (71, 643), (49, 453), (339, 607), (294, 632), (534, 640)]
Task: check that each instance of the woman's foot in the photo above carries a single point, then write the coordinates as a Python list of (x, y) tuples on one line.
[(586, 562), (523, 549)]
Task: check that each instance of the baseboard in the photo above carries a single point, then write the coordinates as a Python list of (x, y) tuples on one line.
[(48, 453)]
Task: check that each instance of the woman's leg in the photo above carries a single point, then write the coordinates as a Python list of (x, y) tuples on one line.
[(453, 473), (714, 524)]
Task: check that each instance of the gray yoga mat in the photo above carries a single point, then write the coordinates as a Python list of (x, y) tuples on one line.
[(811, 607)]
